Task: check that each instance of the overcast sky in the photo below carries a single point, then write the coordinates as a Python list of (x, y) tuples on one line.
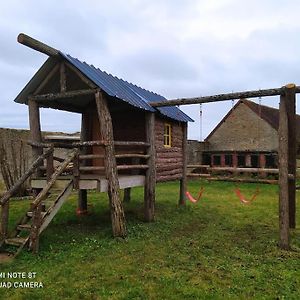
[(175, 48)]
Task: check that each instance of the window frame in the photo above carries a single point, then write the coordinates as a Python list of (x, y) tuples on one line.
[(167, 135)]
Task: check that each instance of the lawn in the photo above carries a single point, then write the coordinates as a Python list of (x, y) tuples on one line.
[(215, 249)]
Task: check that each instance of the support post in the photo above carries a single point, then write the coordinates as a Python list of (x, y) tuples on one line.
[(150, 180), (35, 229), (86, 135), (283, 172), (106, 131), (127, 195), (35, 130), (290, 98), (49, 166), (183, 180), (4, 219)]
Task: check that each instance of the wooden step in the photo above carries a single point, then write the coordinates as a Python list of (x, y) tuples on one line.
[(29, 214), (26, 227), (17, 241)]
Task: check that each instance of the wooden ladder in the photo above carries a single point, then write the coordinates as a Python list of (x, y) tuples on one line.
[(42, 210)]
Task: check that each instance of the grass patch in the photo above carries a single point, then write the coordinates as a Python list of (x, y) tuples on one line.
[(215, 249)]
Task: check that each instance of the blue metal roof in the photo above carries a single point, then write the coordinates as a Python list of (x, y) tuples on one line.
[(126, 91)]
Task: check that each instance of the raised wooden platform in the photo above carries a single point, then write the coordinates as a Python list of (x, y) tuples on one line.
[(92, 182)]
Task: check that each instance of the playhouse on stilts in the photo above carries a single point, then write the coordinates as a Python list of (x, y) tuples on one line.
[(124, 143)]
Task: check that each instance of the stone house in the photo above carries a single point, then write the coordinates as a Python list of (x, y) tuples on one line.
[(246, 137)]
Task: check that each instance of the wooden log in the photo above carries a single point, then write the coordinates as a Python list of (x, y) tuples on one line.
[(170, 172), (127, 195), (49, 165), (63, 78), (67, 145), (183, 180), (198, 166), (130, 167), (90, 156), (106, 131), (35, 228), (131, 143), (163, 167), (37, 45), (150, 179), (221, 97), (198, 175), (284, 241), (76, 171), (132, 155), (290, 98), (245, 170), (168, 178), (243, 180), (4, 220), (62, 95), (10, 193), (91, 168), (35, 129)]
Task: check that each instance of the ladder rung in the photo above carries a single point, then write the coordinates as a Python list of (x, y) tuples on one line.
[(16, 241), (29, 214), (24, 227)]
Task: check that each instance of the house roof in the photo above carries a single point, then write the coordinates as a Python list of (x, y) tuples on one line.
[(113, 86), (267, 113)]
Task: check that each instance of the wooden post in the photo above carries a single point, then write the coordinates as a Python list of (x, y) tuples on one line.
[(127, 195), (106, 131), (4, 219), (184, 165), (35, 229), (290, 98), (86, 135), (49, 166), (283, 173), (35, 130), (150, 180)]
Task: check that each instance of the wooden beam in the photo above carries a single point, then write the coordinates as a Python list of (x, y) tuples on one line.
[(106, 132), (63, 95), (184, 165), (221, 97), (150, 180), (127, 195), (283, 154), (37, 45)]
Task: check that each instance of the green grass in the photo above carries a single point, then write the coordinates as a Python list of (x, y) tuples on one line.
[(215, 249)]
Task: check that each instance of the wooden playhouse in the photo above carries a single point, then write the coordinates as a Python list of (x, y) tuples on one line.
[(124, 143)]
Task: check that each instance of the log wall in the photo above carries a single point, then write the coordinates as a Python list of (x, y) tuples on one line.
[(169, 160)]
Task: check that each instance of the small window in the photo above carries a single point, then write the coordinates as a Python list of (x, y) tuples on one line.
[(167, 135)]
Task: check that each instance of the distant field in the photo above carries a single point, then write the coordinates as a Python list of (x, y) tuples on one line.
[(215, 249)]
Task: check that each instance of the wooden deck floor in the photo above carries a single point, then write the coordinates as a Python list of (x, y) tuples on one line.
[(92, 182)]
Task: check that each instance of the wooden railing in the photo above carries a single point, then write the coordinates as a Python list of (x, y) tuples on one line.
[(4, 201)]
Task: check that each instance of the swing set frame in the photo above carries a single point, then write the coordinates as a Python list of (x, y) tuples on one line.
[(287, 147)]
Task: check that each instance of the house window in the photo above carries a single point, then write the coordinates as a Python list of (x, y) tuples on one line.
[(167, 135)]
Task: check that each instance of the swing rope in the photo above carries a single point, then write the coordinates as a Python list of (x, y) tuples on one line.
[(237, 190)]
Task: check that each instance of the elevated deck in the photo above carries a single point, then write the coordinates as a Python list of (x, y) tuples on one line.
[(91, 182)]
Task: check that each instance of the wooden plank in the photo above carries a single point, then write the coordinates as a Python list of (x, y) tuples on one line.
[(125, 181), (222, 97), (62, 95), (106, 131), (243, 180), (284, 241), (290, 98), (150, 180), (183, 180)]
